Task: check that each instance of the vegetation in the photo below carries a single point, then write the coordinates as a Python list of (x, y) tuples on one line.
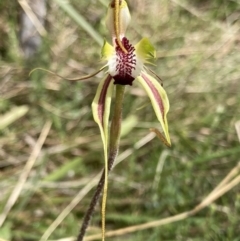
[(198, 44)]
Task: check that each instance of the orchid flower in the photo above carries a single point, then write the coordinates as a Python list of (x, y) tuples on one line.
[(122, 69), (125, 64)]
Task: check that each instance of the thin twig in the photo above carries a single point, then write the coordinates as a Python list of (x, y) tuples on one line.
[(230, 176), (216, 194)]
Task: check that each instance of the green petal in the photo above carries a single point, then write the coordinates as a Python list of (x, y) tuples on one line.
[(107, 50), (146, 51), (158, 99)]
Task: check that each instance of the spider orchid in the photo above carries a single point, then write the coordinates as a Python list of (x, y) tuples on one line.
[(122, 69), (125, 63)]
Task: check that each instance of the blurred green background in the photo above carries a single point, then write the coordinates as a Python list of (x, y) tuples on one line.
[(198, 57)]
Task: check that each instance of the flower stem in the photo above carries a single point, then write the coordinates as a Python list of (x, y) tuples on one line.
[(115, 132)]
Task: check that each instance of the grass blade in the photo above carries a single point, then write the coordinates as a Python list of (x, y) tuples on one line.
[(80, 20)]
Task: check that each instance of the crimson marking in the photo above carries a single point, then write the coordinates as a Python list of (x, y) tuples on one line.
[(155, 94)]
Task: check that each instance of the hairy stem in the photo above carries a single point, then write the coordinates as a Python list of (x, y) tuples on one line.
[(115, 132)]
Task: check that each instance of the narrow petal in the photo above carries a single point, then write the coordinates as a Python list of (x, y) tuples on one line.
[(146, 51), (107, 50), (75, 79), (101, 109), (158, 99)]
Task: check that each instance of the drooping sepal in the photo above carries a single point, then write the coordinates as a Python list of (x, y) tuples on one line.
[(159, 100), (101, 109), (146, 51)]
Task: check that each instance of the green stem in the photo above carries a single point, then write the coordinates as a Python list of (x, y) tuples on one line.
[(115, 132)]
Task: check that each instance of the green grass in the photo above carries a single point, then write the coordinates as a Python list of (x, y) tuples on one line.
[(198, 53)]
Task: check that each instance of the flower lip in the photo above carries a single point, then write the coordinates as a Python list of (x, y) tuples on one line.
[(125, 66), (127, 80)]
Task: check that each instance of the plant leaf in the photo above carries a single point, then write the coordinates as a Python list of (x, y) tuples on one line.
[(159, 100)]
